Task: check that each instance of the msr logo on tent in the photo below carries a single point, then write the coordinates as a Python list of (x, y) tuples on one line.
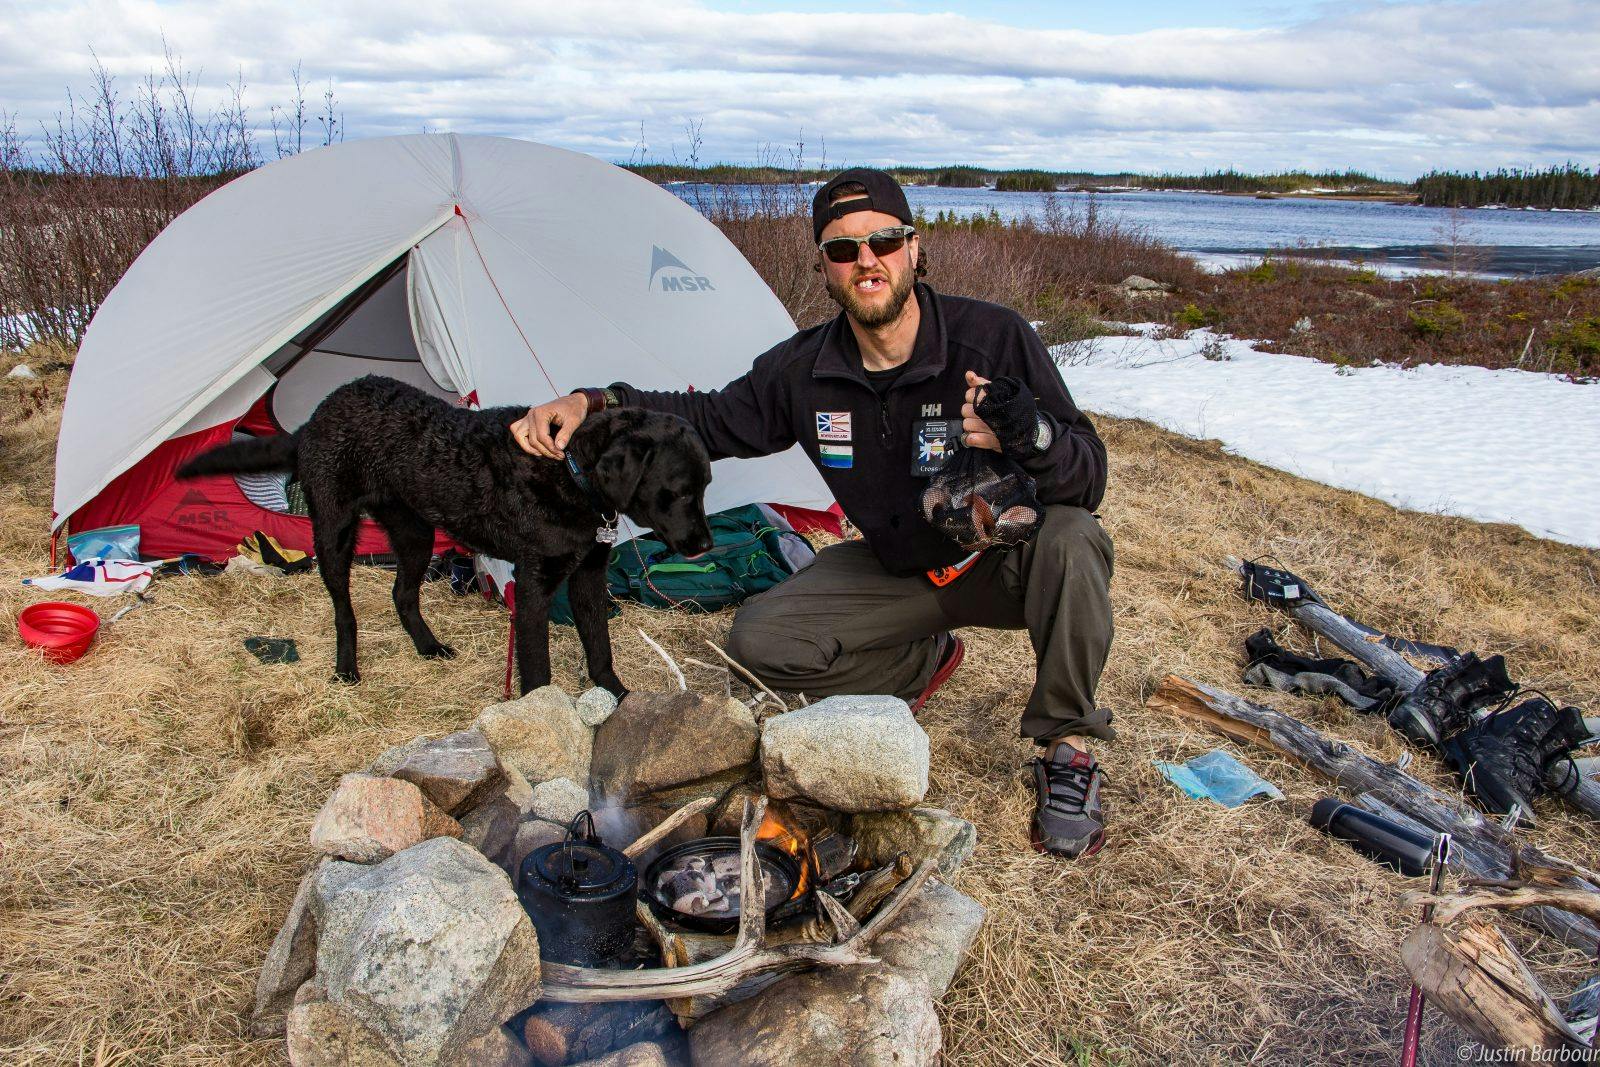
[(196, 509), (669, 274)]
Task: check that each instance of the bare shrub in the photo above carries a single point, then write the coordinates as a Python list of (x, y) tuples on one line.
[(106, 177), (770, 224), (1215, 349), (1458, 250)]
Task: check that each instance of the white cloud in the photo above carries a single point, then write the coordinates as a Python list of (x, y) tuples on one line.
[(1392, 87)]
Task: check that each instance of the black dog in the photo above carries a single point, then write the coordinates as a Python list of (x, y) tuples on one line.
[(413, 463)]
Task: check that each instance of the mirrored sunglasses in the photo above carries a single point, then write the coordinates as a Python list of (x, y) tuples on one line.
[(884, 242)]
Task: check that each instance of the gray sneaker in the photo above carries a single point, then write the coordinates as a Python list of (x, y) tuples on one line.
[(1068, 819)]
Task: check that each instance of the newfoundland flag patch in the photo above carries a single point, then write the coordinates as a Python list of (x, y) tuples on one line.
[(833, 426), (839, 457)]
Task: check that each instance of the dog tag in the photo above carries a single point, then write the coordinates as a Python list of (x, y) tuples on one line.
[(606, 535)]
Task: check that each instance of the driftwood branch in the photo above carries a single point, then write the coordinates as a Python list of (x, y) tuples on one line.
[(879, 884), (669, 943), (750, 956), (669, 824), (1475, 976), (844, 924), (1576, 789), (1509, 896), (752, 878), (746, 675), (1479, 846), (677, 672)]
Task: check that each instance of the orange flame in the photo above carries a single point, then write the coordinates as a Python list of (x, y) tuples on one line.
[(780, 830)]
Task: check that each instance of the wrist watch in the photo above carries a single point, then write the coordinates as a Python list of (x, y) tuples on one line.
[(1043, 435)]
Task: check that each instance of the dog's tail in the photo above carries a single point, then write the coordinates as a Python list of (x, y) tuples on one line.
[(258, 456)]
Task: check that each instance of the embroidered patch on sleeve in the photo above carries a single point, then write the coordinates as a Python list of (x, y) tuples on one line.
[(833, 426), (839, 457)]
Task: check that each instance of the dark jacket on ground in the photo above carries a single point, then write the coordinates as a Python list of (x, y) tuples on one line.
[(796, 391)]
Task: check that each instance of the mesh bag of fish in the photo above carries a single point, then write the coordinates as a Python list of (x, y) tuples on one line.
[(980, 499)]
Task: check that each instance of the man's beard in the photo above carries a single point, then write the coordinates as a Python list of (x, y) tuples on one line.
[(871, 315)]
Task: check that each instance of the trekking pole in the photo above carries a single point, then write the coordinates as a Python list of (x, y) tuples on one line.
[(1413, 1033)]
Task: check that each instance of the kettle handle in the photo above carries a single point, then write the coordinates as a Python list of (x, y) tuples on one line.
[(589, 836)]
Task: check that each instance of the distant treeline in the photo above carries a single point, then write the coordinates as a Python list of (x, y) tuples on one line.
[(1233, 181), (1569, 186), (726, 173), (1036, 181)]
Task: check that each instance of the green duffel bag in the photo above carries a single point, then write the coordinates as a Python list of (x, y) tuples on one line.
[(753, 549)]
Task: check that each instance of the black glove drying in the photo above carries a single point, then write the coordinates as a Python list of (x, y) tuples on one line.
[(1013, 414)]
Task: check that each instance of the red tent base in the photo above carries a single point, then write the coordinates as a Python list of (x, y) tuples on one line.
[(207, 517)]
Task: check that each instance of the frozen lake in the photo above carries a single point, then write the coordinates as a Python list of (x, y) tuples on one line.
[(1514, 242)]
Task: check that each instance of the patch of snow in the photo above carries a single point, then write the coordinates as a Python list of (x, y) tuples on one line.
[(1493, 445)]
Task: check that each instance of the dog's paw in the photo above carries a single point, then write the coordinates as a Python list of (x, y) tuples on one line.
[(349, 677), (438, 651)]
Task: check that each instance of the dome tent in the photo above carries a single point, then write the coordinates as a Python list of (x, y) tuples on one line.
[(485, 270)]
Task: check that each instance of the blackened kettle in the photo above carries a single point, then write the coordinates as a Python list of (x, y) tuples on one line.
[(580, 894)]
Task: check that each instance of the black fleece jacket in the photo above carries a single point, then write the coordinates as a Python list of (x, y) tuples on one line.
[(798, 390)]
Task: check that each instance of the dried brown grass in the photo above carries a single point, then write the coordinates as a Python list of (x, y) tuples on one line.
[(159, 792)]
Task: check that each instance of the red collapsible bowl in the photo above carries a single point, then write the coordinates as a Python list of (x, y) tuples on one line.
[(63, 632)]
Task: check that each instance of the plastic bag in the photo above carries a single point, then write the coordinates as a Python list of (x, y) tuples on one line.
[(1218, 776), (108, 542), (979, 499)]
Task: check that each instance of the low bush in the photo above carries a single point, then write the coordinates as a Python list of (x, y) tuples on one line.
[(1436, 318), (1574, 347)]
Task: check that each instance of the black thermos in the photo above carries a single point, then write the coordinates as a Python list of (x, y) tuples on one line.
[(1398, 847)]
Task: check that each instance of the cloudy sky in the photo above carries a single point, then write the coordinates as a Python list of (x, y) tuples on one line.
[(1390, 87)]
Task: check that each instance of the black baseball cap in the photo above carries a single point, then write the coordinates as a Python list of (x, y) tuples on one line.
[(883, 194)]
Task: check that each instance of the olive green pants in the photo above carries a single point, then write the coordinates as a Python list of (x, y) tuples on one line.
[(845, 625)]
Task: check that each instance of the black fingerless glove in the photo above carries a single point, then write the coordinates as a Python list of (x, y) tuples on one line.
[(1012, 413)]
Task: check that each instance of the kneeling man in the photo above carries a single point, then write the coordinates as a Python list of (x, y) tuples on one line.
[(872, 396)]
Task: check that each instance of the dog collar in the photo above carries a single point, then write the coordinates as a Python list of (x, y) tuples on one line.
[(607, 532)]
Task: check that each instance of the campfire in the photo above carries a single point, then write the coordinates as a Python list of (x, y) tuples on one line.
[(780, 830), (654, 940)]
